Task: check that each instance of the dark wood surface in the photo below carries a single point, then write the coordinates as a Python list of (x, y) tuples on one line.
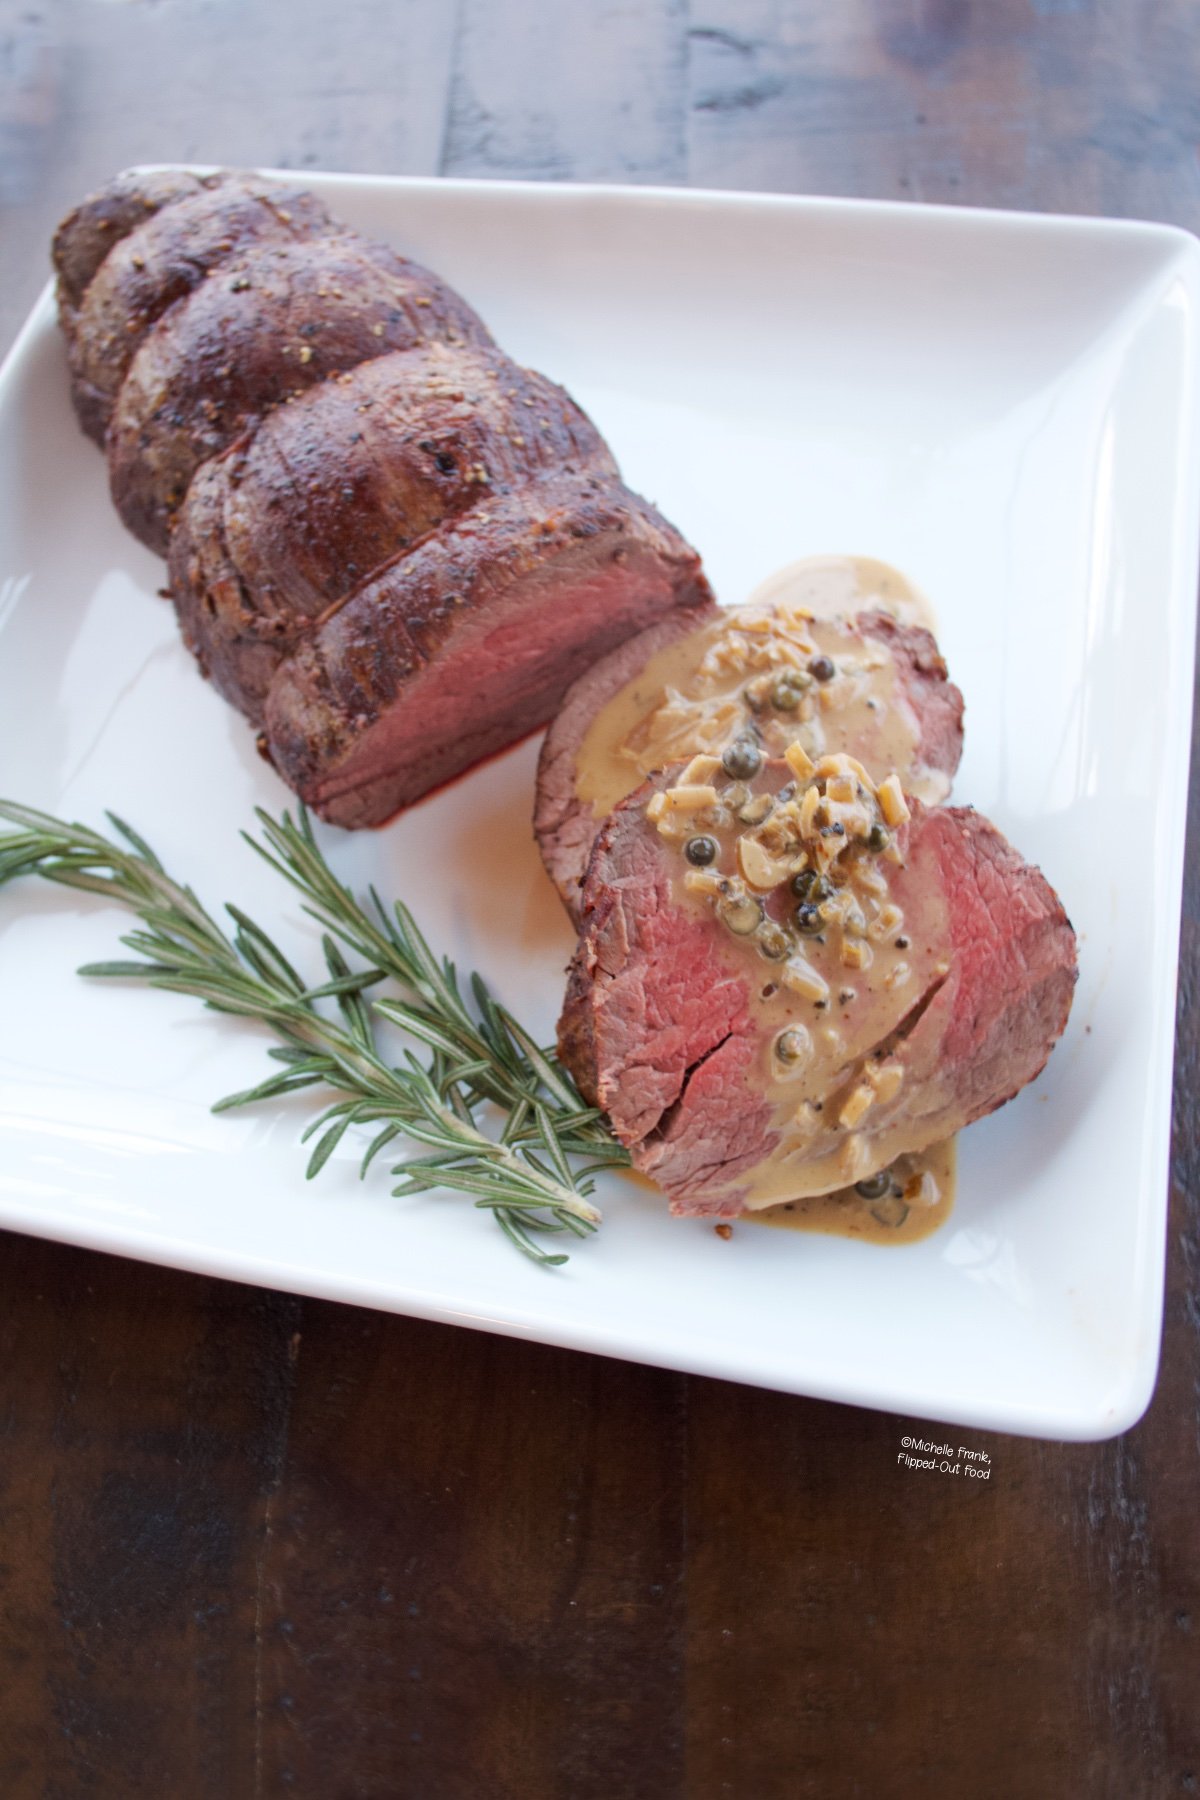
[(257, 1545)]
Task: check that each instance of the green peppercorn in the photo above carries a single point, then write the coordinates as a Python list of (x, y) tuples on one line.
[(811, 885), (878, 838), (741, 915), (875, 1186), (742, 759), (808, 920), (821, 668), (773, 941), (793, 1045), (788, 691), (701, 851)]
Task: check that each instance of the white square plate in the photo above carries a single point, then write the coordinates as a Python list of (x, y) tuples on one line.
[(1005, 407)]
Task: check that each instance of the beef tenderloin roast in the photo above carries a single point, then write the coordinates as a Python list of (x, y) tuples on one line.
[(389, 545), (258, 332)]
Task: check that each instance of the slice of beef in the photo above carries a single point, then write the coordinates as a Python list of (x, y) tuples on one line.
[(914, 679), (564, 824), (924, 681), (675, 1026), (278, 320), (158, 261), (467, 642)]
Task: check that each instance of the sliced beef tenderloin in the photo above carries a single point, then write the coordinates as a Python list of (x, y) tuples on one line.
[(685, 686), (157, 262), (279, 320), (935, 703), (750, 1046), (564, 823), (467, 642)]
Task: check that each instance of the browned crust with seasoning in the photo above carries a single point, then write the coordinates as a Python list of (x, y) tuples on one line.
[(155, 263), (469, 640), (277, 321), (91, 229), (268, 545), (389, 545)]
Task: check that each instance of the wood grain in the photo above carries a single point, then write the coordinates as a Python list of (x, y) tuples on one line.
[(622, 66), (91, 86), (1061, 106), (252, 1545), (140, 1442)]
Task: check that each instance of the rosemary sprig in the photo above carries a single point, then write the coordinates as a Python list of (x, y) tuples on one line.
[(478, 1056)]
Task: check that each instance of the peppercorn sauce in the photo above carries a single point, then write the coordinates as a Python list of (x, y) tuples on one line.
[(714, 684), (793, 667), (832, 586), (919, 1199), (840, 932)]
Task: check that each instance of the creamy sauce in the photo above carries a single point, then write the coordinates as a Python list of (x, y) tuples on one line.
[(832, 585), (699, 693), (893, 1219), (695, 698), (809, 869)]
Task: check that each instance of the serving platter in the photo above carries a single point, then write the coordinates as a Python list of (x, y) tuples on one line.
[(1003, 406)]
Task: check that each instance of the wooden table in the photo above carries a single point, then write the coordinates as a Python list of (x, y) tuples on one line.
[(252, 1544)]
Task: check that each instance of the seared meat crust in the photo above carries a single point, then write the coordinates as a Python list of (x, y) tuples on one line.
[(156, 263), (263, 329), (364, 503)]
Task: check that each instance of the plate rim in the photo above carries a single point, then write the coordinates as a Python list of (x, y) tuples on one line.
[(1131, 1395)]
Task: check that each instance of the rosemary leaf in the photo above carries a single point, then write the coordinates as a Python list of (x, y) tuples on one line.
[(521, 1170), (326, 1146), (139, 843), (376, 1144), (272, 1089), (116, 970)]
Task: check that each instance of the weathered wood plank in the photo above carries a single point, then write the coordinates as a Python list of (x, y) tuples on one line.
[(583, 90), (88, 89), (1090, 106), (473, 1577), (142, 1418), (858, 1627)]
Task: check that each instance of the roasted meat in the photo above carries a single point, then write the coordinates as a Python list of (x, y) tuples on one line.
[(757, 1034), (389, 545)]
